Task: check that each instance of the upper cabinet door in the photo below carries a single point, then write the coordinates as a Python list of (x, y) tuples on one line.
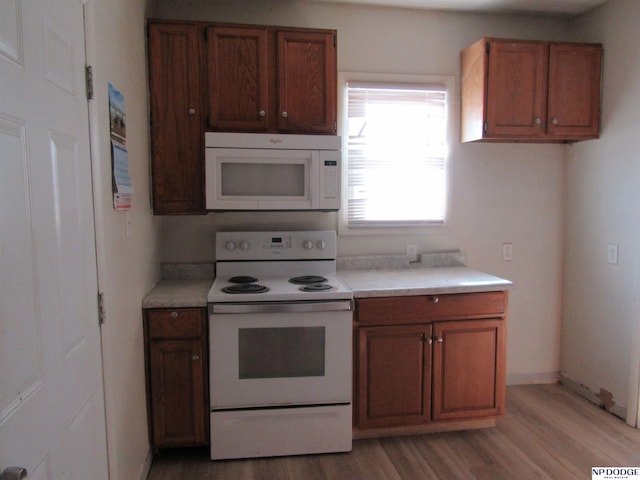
[(306, 66), (574, 90), (177, 129), (237, 79), (516, 89), (530, 91)]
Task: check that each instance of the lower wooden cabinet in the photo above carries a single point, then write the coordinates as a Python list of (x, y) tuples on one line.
[(468, 369), (395, 375), (177, 371), (440, 359)]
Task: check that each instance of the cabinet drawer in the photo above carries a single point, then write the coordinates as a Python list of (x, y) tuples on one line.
[(426, 308), (179, 322)]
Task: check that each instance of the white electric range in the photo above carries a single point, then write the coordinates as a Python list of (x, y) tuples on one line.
[(280, 328)]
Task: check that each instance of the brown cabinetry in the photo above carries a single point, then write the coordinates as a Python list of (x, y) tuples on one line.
[(177, 126), (218, 77), (177, 370), (518, 90), (271, 79), (237, 79), (307, 76), (428, 359)]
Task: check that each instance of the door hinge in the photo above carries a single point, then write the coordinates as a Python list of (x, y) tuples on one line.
[(89, 80), (487, 47), (102, 312), (335, 125), (486, 127)]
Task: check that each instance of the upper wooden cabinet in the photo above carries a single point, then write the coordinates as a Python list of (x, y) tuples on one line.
[(307, 76), (205, 76), (177, 121), (530, 91), (271, 79), (237, 78)]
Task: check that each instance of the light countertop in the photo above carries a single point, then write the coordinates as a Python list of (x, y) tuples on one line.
[(420, 281), (178, 293), (184, 286)]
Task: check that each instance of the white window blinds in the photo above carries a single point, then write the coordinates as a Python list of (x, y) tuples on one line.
[(396, 154)]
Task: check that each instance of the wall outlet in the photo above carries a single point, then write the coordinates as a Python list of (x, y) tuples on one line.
[(412, 252), (507, 252), (612, 254)]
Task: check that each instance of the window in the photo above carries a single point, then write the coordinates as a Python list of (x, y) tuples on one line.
[(396, 154)]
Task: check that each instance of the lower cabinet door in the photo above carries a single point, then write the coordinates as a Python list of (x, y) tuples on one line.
[(177, 396), (469, 369), (394, 369)]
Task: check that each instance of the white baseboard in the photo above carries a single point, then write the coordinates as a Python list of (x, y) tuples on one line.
[(533, 378), (588, 394), (146, 466)]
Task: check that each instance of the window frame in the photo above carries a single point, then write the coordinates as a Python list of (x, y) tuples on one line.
[(448, 81)]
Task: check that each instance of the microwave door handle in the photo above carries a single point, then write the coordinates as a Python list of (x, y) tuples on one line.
[(314, 178)]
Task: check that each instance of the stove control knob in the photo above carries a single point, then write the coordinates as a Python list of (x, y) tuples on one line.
[(308, 245), (230, 245), (244, 245), (321, 244)]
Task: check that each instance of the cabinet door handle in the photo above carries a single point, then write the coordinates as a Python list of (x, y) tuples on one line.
[(174, 314), (434, 299), (426, 339), (192, 111), (262, 113), (538, 121), (195, 358), (554, 121), (285, 114), (439, 339)]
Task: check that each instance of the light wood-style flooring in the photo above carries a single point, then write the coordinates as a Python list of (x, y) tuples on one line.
[(548, 433)]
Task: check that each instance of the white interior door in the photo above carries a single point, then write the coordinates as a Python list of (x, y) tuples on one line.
[(51, 394)]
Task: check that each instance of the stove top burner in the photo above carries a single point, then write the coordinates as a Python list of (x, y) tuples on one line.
[(243, 279), (308, 279), (245, 288), (316, 287)]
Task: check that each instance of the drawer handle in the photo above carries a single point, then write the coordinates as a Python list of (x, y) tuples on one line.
[(174, 314), (435, 299)]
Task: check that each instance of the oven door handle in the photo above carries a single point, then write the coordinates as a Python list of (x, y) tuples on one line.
[(281, 307)]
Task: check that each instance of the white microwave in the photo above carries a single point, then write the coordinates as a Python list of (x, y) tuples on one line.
[(259, 171)]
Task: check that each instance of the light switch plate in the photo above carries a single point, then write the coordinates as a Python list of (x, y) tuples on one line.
[(507, 252)]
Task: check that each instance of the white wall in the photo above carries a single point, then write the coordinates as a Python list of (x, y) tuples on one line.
[(601, 319), (128, 266), (501, 193)]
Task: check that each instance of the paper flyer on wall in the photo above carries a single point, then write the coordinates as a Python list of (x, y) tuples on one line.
[(121, 181), (122, 188)]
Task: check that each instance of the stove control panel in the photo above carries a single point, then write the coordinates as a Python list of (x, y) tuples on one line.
[(303, 245), (277, 242)]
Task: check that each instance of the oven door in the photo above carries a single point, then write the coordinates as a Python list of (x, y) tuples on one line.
[(280, 357)]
